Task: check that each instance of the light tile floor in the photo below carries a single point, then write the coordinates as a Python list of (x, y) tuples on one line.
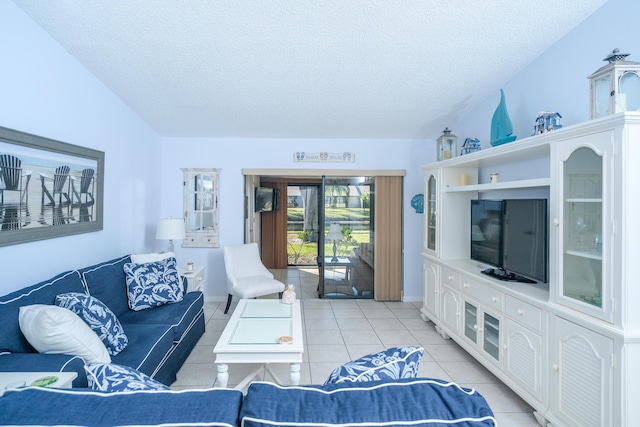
[(337, 331)]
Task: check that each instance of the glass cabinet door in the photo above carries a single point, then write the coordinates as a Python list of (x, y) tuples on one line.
[(431, 213), (582, 236), (491, 335), (201, 207), (471, 321)]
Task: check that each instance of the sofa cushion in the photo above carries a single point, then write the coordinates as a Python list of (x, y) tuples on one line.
[(99, 318), (151, 257), (149, 347), (152, 284), (115, 378), (178, 315), (55, 330), (11, 338), (391, 364), (106, 281), (415, 402), (49, 406)]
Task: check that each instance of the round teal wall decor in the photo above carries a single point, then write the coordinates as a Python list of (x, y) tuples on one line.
[(417, 203)]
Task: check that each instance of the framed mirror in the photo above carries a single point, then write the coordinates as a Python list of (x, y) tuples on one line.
[(201, 188)]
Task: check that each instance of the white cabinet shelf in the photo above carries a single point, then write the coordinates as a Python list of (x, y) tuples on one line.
[(506, 185), (568, 347)]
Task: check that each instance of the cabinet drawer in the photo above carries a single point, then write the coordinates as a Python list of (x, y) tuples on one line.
[(484, 294), (525, 313), (201, 240), (450, 278)]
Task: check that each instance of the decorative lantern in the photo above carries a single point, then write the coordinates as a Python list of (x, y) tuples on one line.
[(615, 87), (447, 145)]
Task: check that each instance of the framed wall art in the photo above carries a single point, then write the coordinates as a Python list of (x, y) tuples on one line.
[(48, 188)]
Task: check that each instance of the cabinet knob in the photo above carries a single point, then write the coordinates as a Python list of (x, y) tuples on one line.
[(556, 222), (520, 312), (465, 285), (476, 327), (555, 366), (450, 278), (494, 299)]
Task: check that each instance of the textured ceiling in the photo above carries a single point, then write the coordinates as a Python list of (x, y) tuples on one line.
[(305, 69)]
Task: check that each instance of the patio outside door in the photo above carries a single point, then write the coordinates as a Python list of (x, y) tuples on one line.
[(346, 255)]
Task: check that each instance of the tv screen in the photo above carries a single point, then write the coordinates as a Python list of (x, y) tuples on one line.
[(525, 238), (267, 199), (486, 231), (264, 199)]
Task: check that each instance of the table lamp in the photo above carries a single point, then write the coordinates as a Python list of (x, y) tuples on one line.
[(335, 234), (170, 229)]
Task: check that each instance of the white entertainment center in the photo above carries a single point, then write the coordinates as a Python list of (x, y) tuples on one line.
[(568, 347)]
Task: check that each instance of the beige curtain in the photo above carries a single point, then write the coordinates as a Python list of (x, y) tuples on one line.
[(388, 238), (274, 231)]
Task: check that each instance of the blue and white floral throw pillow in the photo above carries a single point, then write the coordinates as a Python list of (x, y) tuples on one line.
[(390, 364), (152, 284), (99, 318), (112, 377)]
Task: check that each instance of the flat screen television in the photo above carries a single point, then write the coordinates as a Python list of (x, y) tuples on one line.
[(526, 238), (486, 231), (512, 236), (266, 199)]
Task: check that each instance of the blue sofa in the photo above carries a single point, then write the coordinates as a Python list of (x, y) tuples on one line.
[(419, 402), (160, 338)]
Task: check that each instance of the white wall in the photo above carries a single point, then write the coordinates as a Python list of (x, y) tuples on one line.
[(231, 156), (557, 79), (46, 92)]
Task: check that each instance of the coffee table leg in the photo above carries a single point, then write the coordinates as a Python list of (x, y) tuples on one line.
[(294, 373), (223, 374)]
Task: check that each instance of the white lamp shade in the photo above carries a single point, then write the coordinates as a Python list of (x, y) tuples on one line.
[(335, 232), (170, 228)]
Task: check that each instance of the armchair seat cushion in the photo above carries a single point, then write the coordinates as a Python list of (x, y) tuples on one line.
[(255, 286)]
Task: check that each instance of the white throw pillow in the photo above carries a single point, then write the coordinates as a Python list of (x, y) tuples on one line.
[(153, 257), (55, 330)]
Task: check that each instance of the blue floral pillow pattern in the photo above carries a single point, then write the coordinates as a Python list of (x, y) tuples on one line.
[(152, 284), (112, 377), (391, 364), (99, 318)]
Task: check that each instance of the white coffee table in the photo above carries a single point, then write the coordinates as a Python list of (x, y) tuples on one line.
[(9, 380), (251, 336)]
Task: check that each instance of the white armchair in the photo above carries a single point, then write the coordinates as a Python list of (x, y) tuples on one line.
[(247, 277)]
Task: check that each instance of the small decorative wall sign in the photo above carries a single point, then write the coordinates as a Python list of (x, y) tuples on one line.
[(324, 157)]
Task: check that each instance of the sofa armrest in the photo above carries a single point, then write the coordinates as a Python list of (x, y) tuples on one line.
[(36, 362), (49, 406)]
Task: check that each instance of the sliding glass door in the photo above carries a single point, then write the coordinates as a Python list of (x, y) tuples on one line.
[(303, 224), (346, 255)]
